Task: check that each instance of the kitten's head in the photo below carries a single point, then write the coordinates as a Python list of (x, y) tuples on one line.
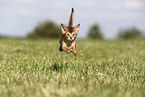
[(70, 33)]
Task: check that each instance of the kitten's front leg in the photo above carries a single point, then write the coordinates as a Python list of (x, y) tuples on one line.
[(74, 50), (65, 48)]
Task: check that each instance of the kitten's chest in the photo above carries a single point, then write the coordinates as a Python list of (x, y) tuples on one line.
[(69, 44)]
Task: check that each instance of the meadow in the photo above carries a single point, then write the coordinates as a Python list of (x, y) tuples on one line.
[(36, 68)]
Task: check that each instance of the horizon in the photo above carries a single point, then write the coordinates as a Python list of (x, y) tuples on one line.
[(19, 17)]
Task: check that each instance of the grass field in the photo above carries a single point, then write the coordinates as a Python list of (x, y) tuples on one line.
[(101, 69)]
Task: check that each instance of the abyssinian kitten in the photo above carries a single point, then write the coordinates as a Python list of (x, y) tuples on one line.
[(68, 37)]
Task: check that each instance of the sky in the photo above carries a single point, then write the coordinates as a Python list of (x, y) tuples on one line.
[(19, 17)]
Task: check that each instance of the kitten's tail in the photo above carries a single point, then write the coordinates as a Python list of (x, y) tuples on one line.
[(70, 24)]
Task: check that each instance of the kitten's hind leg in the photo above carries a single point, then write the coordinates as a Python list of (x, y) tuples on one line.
[(60, 48)]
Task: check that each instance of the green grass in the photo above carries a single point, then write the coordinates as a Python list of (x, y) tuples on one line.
[(101, 69)]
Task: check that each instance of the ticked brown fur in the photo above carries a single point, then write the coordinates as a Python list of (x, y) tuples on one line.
[(68, 38)]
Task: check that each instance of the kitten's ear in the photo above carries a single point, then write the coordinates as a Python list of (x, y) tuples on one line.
[(63, 28), (77, 28)]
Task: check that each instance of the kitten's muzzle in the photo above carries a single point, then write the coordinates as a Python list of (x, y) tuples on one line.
[(70, 39)]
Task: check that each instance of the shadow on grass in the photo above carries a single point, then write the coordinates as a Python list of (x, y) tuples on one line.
[(58, 67)]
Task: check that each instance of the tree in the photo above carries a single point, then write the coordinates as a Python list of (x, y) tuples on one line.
[(129, 33), (45, 29), (95, 32)]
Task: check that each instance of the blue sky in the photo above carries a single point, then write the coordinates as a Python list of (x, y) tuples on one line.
[(19, 17)]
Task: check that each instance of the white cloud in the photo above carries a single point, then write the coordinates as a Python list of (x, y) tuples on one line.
[(124, 15), (134, 4), (29, 13), (104, 15)]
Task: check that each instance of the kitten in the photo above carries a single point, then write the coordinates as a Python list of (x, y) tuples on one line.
[(68, 38)]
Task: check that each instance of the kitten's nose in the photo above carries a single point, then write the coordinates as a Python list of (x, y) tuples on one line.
[(70, 37)]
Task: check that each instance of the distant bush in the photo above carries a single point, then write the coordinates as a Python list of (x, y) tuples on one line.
[(95, 32), (129, 33), (45, 29), (2, 36)]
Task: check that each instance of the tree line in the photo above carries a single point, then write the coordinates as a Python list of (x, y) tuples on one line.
[(49, 29)]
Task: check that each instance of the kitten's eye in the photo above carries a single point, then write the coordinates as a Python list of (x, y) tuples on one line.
[(67, 34), (73, 34)]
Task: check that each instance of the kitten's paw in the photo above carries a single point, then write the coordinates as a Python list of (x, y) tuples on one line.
[(67, 51), (71, 50), (75, 53)]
